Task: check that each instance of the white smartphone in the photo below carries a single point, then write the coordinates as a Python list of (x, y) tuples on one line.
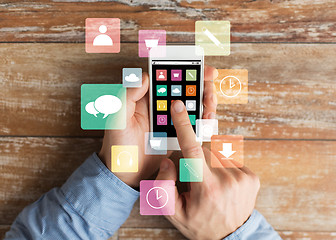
[(177, 74)]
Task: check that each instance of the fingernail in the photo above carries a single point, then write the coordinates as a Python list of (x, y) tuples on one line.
[(212, 115), (164, 165), (178, 106)]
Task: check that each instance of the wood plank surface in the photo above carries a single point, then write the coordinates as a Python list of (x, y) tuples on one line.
[(161, 233), (291, 88), (297, 178), (252, 21)]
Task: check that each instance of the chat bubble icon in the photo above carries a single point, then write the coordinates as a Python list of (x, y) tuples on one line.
[(107, 104), (91, 109)]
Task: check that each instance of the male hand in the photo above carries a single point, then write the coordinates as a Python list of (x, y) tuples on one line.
[(216, 207), (138, 123)]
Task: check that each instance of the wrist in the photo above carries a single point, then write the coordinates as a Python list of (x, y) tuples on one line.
[(131, 179)]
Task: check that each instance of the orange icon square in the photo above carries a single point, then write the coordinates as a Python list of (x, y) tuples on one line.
[(232, 86), (190, 90), (228, 151), (102, 35)]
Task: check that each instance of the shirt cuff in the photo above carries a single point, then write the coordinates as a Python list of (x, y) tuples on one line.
[(98, 195), (256, 227)]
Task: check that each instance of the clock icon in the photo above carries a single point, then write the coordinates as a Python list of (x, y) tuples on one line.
[(157, 197), (230, 86)]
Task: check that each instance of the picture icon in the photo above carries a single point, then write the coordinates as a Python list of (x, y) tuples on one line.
[(102, 35), (103, 106), (132, 77)]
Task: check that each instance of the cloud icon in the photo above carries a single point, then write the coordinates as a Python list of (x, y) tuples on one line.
[(162, 90), (132, 78), (106, 104), (176, 90)]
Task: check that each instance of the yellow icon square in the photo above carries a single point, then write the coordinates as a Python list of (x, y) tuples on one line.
[(213, 37), (232, 86), (124, 158), (161, 105)]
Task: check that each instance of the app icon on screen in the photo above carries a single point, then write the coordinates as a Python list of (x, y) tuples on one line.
[(176, 90), (161, 90), (161, 119), (161, 75), (161, 105), (176, 75), (190, 90), (191, 75)]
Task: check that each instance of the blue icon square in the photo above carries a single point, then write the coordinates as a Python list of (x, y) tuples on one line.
[(176, 90)]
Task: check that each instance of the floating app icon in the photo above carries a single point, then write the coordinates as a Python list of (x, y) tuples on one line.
[(191, 75), (102, 35), (176, 90), (191, 105), (132, 77), (205, 129), (213, 37), (162, 120), (156, 143), (103, 106), (124, 158), (161, 75), (232, 86), (157, 197), (149, 39), (190, 90), (192, 119), (161, 90), (161, 105), (191, 170), (227, 149), (176, 75)]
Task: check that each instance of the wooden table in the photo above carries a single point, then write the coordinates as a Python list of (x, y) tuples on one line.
[(289, 123)]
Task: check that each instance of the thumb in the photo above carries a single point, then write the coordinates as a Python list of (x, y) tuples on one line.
[(167, 170)]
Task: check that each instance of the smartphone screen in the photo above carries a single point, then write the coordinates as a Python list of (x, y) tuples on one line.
[(175, 80)]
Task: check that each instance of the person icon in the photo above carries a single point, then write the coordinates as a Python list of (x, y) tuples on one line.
[(102, 39), (161, 76)]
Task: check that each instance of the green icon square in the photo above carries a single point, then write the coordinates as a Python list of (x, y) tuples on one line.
[(192, 119), (191, 170), (161, 90), (191, 75), (103, 106), (213, 37)]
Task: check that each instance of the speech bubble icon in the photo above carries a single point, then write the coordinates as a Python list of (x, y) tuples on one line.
[(107, 104), (91, 109)]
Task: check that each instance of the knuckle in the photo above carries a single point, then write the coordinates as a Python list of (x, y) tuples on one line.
[(194, 150)]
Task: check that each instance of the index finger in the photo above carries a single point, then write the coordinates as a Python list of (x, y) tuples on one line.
[(186, 135)]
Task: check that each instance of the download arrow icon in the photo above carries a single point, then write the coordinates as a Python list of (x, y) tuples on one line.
[(227, 150)]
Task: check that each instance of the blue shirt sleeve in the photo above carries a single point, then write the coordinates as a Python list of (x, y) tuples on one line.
[(256, 227), (92, 204)]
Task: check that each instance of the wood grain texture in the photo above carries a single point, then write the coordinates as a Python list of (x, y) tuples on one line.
[(252, 21), (161, 233), (32, 166), (297, 177), (291, 88)]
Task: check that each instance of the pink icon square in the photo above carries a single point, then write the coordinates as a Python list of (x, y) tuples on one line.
[(161, 75), (161, 119), (157, 197), (176, 75), (102, 35), (149, 39)]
